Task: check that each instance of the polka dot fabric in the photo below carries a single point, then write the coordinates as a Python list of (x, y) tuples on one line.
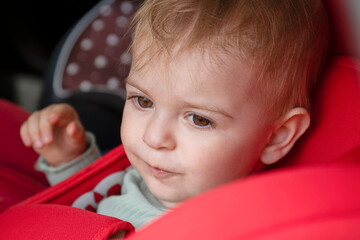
[(94, 56)]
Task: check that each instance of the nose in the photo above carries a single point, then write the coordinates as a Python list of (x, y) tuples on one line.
[(159, 133)]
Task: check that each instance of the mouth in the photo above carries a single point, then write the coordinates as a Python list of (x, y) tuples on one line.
[(158, 172)]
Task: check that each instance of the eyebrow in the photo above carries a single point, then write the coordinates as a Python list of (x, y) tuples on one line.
[(185, 104), (206, 107), (131, 83)]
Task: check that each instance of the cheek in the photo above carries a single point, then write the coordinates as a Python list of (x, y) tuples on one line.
[(209, 159), (129, 130), (221, 160), (124, 128)]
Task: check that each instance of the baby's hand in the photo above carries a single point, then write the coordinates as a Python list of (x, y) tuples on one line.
[(55, 133)]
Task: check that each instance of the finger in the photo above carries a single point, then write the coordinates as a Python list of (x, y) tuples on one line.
[(24, 134), (33, 129), (45, 126), (62, 114)]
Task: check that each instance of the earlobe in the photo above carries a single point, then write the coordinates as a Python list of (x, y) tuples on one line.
[(291, 127)]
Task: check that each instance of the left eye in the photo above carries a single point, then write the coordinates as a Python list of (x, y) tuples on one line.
[(200, 121), (144, 102)]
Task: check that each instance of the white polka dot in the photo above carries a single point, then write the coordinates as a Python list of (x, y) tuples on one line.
[(72, 69), (85, 86), (122, 21), (126, 7), (100, 61), (97, 25), (113, 83), (112, 40), (86, 44), (125, 58), (105, 10)]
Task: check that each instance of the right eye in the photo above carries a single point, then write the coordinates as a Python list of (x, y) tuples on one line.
[(142, 102), (200, 121)]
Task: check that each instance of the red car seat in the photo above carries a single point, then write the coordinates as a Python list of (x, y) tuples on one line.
[(312, 193)]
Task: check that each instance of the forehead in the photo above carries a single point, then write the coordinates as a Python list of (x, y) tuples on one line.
[(200, 65)]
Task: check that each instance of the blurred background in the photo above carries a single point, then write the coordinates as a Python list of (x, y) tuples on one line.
[(30, 31)]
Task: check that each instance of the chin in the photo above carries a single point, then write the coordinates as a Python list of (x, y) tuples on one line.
[(169, 198)]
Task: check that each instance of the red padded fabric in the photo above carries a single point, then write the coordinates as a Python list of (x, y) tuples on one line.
[(16, 186), (18, 179), (335, 128), (13, 153), (54, 222), (296, 203)]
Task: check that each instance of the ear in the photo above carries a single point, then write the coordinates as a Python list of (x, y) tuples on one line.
[(285, 134)]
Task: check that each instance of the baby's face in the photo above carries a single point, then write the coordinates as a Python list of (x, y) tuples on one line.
[(188, 126)]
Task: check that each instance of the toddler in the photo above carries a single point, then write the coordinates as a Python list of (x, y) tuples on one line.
[(216, 90)]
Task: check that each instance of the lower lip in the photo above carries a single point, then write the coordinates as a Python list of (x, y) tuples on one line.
[(160, 172)]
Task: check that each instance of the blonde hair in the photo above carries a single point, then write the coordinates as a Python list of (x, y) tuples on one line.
[(286, 39)]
